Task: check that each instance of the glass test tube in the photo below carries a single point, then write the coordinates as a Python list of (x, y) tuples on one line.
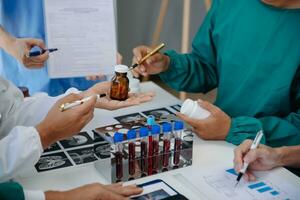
[(150, 123), (178, 129), (155, 131), (118, 139), (167, 128), (131, 137), (144, 149)]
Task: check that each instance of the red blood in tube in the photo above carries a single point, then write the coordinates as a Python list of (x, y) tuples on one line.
[(166, 152), (119, 165), (143, 156), (131, 149), (150, 154), (155, 148), (177, 151)]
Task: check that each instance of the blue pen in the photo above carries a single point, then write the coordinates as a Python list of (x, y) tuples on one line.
[(37, 53)]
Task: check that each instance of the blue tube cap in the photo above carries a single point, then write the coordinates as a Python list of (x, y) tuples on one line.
[(131, 134), (144, 132), (167, 127), (155, 129), (150, 120), (178, 125), (118, 137)]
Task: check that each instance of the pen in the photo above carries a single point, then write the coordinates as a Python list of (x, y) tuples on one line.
[(37, 53), (66, 106), (154, 51), (254, 145)]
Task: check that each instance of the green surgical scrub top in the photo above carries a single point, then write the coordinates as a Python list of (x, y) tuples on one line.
[(11, 191), (250, 51)]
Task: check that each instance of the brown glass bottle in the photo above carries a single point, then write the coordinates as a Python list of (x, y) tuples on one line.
[(120, 84)]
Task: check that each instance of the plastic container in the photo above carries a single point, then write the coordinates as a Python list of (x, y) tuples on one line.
[(155, 131), (178, 131), (193, 110), (131, 137), (118, 139)]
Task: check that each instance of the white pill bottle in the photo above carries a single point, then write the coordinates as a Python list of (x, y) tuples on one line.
[(193, 110)]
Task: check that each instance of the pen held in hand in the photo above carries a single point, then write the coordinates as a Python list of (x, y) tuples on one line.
[(38, 53), (65, 106), (151, 53), (254, 145)]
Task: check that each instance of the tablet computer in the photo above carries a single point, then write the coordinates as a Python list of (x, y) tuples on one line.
[(158, 190)]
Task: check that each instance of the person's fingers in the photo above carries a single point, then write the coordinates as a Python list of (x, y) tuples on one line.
[(41, 58), (70, 98), (140, 52), (155, 58), (252, 155), (87, 106), (119, 58), (238, 154), (102, 88), (127, 190), (209, 106), (193, 122), (36, 42), (249, 176)]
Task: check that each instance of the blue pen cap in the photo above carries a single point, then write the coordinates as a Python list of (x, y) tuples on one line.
[(131, 134), (167, 127), (155, 129), (178, 125), (144, 132), (150, 120), (118, 137)]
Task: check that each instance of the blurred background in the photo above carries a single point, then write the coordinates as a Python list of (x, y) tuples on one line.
[(137, 22)]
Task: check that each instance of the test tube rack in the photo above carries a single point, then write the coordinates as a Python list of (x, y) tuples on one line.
[(108, 167)]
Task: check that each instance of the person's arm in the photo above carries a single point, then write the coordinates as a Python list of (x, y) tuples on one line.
[(289, 156), (195, 71), (278, 131), (20, 48), (11, 191)]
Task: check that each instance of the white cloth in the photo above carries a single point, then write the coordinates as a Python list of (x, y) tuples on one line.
[(34, 195), (20, 145)]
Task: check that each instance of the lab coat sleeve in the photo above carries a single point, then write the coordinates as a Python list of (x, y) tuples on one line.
[(34, 195), (20, 150), (11, 191), (278, 131), (195, 71)]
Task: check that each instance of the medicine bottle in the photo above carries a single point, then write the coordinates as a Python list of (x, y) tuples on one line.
[(120, 84), (193, 110)]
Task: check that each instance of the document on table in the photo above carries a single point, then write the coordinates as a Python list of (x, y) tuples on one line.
[(84, 32), (220, 184)]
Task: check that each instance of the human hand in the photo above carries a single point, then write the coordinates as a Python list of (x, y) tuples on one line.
[(96, 191), (59, 125), (262, 158), (20, 49), (215, 127), (154, 65), (101, 76), (109, 104)]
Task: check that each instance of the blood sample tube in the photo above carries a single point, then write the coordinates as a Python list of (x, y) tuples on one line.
[(155, 131), (178, 129), (131, 136), (118, 139), (167, 129), (144, 132), (150, 123)]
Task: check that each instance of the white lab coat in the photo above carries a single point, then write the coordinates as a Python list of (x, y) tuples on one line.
[(20, 145)]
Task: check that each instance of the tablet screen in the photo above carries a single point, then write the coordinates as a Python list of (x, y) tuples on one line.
[(156, 190)]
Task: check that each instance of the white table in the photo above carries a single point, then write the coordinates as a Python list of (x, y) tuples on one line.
[(206, 154)]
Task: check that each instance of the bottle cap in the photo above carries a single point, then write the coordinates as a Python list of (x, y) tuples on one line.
[(150, 120), (118, 137), (121, 68), (178, 125), (131, 134), (155, 129), (167, 127), (144, 132), (187, 107)]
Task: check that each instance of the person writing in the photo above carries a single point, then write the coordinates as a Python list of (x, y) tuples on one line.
[(249, 50), (265, 158)]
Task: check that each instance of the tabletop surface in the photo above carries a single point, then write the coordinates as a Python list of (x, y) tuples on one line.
[(206, 154)]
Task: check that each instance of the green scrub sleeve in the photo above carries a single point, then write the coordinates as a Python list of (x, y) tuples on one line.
[(199, 65), (11, 191), (278, 131)]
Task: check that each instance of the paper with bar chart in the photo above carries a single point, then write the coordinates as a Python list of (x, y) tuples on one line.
[(221, 185)]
